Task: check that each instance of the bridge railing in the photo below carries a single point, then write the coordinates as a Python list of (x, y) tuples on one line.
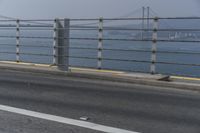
[(106, 43)]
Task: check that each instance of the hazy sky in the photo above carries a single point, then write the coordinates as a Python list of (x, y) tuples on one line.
[(94, 8)]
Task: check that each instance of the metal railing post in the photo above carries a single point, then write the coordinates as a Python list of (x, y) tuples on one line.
[(55, 41), (61, 44), (100, 43), (154, 46), (17, 40)]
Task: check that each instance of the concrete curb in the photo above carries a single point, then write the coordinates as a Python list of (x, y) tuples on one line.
[(142, 81), (113, 77)]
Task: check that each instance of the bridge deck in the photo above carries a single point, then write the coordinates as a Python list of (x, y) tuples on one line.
[(123, 106)]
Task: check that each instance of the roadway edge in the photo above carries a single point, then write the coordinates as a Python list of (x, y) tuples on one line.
[(144, 79)]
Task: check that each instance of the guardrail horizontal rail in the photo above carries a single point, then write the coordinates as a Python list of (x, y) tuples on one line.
[(102, 31)]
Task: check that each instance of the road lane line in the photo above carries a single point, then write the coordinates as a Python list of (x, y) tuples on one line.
[(186, 78), (64, 120), (95, 70), (24, 63)]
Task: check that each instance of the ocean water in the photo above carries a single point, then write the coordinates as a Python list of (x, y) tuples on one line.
[(33, 46), (143, 56)]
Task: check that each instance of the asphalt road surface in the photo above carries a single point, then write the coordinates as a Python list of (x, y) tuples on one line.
[(135, 108)]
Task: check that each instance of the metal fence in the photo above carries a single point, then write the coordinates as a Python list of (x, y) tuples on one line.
[(164, 45)]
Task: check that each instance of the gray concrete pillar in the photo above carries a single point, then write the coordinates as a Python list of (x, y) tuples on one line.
[(61, 44)]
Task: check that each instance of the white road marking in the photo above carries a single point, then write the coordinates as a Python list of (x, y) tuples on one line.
[(64, 120)]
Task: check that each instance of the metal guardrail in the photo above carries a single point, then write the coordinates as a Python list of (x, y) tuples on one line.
[(59, 41)]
